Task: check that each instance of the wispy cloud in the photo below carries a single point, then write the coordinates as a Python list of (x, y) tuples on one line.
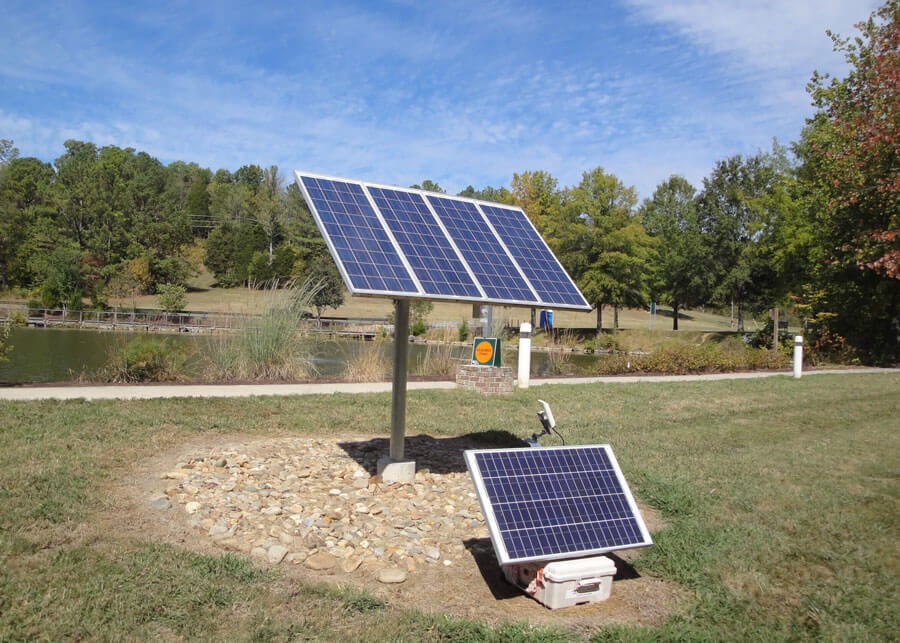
[(462, 93)]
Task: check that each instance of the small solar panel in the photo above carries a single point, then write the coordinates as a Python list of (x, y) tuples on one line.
[(407, 243), (555, 502)]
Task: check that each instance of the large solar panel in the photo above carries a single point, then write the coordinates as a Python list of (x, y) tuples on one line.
[(555, 502), (407, 243)]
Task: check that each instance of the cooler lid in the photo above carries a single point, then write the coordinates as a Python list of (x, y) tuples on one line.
[(560, 571)]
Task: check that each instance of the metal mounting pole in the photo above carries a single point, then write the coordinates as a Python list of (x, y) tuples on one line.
[(398, 388)]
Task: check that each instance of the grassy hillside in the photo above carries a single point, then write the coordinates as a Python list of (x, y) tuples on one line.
[(204, 297)]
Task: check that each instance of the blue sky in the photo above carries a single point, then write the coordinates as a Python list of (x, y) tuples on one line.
[(461, 93)]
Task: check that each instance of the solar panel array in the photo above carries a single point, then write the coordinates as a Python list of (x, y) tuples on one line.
[(401, 242), (555, 502)]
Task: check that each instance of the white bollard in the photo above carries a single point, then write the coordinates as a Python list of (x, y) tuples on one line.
[(524, 354), (798, 356)]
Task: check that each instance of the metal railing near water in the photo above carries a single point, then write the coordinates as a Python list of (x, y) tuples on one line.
[(153, 320)]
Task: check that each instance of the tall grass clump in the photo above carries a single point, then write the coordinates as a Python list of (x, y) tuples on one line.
[(267, 346), (367, 362), (439, 360), (559, 354), (5, 346)]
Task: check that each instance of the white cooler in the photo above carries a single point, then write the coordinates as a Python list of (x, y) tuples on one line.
[(564, 583)]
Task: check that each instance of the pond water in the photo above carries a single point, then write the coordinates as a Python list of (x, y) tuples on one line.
[(63, 354)]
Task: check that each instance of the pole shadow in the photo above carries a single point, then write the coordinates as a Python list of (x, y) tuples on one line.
[(437, 455)]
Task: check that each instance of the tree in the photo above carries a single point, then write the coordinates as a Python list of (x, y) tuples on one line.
[(327, 285), (270, 208), (301, 230), (849, 150), (600, 240), (488, 193), (8, 151), (680, 267), (26, 217), (737, 227), (538, 194), (63, 283), (172, 297), (429, 186)]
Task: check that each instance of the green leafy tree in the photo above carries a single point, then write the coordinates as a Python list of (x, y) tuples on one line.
[(270, 208), (849, 151), (26, 219), (172, 297), (230, 250), (488, 193), (429, 186), (601, 242), (538, 194), (680, 266), (737, 229), (8, 151), (300, 228), (328, 289), (63, 282)]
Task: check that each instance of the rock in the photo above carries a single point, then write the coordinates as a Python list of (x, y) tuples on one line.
[(391, 575), (161, 503), (230, 544), (218, 531), (321, 561), (315, 500), (351, 563), (276, 553)]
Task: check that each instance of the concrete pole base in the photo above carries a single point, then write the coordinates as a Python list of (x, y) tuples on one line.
[(392, 470)]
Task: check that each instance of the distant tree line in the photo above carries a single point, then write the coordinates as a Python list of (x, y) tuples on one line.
[(811, 227)]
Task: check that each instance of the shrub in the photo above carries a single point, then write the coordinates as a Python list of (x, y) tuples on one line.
[(418, 328), (172, 297), (438, 360), (5, 346), (146, 359), (684, 359), (463, 330)]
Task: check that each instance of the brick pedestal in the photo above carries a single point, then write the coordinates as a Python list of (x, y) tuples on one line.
[(490, 380)]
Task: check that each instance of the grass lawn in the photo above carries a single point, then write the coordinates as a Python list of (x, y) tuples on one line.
[(780, 498), (202, 296)]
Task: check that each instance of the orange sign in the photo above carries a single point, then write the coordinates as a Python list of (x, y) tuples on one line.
[(484, 352)]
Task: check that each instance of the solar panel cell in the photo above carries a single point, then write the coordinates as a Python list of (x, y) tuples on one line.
[(557, 502)]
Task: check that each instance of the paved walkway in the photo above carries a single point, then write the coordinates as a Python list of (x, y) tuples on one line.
[(149, 391)]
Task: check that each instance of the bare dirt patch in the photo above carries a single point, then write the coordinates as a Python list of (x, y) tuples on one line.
[(470, 585)]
